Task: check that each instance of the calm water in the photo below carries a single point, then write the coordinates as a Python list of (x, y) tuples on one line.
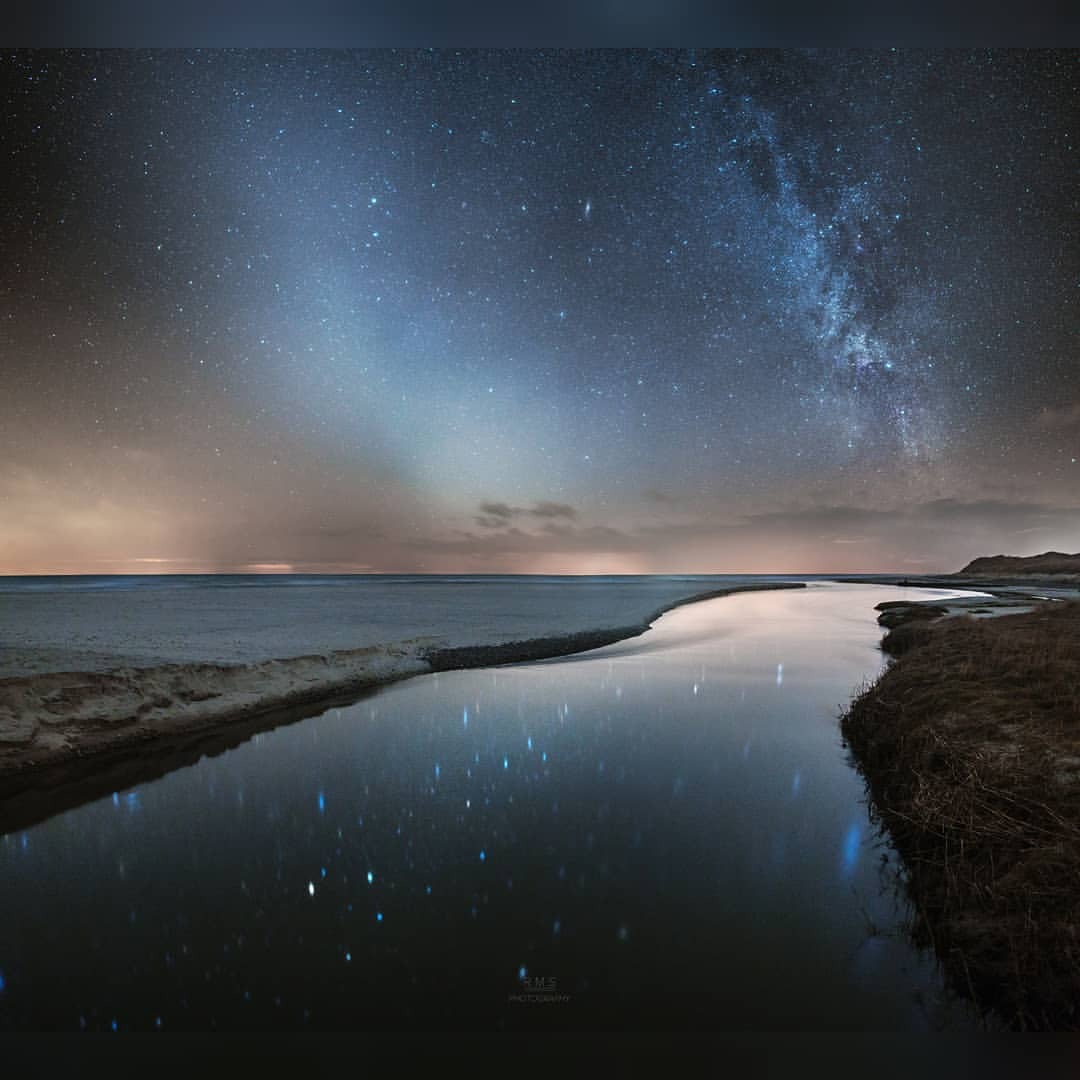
[(663, 833)]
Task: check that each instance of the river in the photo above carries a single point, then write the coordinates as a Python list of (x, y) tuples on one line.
[(664, 833)]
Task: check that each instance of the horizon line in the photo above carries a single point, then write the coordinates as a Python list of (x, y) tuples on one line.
[(458, 573)]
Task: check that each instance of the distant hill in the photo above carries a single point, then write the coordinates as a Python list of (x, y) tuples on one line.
[(1050, 562)]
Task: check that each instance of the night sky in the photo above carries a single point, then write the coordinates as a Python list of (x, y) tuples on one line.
[(533, 311)]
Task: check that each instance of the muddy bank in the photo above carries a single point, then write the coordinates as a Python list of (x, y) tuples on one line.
[(59, 729), (970, 747), (49, 719), (991, 596)]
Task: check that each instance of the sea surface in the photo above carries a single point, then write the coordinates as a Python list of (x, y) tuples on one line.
[(16, 583), (665, 833)]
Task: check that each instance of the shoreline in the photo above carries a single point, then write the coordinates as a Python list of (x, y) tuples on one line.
[(1026, 586), (969, 745), (68, 737)]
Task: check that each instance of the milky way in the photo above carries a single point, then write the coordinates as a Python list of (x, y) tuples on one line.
[(662, 311)]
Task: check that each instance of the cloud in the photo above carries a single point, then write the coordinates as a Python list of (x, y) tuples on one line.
[(937, 535), (553, 510), (499, 510), (514, 541), (498, 515), (1057, 419)]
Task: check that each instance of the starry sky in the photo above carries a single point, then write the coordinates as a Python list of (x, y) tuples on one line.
[(537, 311)]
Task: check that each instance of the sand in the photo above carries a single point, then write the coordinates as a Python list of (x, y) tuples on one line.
[(93, 674)]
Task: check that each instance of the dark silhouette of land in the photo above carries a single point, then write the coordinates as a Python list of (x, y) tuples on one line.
[(1048, 563)]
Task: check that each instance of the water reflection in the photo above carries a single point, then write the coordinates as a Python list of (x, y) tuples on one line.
[(663, 833)]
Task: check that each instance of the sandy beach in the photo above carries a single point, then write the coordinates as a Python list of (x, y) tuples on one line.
[(96, 671)]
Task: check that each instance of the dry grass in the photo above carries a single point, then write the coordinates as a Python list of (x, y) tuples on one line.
[(970, 744)]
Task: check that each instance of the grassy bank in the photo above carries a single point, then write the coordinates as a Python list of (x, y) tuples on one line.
[(970, 746)]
